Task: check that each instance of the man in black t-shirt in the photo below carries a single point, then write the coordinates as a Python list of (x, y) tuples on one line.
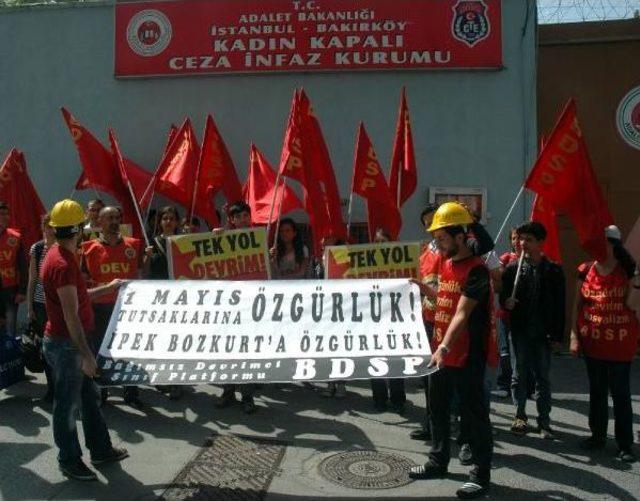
[(462, 327)]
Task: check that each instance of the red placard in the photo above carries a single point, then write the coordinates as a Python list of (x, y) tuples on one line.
[(244, 36)]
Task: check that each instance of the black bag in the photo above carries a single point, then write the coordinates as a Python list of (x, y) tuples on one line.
[(32, 349), (11, 361)]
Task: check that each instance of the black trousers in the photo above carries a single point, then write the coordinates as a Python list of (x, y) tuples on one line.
[(102, 315), (388, 390), (468, 382), (607, 376)]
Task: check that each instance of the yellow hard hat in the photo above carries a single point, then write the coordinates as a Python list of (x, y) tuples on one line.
[(450, 214), (66, 213)]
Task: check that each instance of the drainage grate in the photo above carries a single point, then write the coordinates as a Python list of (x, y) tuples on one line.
[(228, 468), (367, 470)]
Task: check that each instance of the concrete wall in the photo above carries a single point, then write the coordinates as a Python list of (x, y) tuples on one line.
[(474, 129)]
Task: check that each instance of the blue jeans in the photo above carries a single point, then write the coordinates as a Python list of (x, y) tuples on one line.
[(503, 379), (73, 392), (531, 355)]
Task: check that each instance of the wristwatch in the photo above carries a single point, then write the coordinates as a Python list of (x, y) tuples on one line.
[(444, 348)]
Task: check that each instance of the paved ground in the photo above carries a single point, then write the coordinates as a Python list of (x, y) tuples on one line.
[(166, 435)]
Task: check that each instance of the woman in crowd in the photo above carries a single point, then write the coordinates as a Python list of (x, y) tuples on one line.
[(169, 219), (36, 310), (289, 257), (387, 390), (605, 329)]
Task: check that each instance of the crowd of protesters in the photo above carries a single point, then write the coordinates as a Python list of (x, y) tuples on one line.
[(507, 312)]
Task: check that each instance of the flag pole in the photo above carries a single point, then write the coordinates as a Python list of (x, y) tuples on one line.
[(135, 205), (506, 219), (273, 203), (195, 193), (399, 187), (284, 187)]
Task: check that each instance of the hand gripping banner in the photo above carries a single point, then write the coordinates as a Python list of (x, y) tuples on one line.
[(192, 332)]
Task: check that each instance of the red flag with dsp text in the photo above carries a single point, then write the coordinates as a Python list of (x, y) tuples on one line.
[(260, 189), (17, 191), (317, 153), (564, 177), (545, 215), (294, 164), (403, 175), (216, 167), (369, 183)]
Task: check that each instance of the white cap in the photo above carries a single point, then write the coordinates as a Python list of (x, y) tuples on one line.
[(613, 232)]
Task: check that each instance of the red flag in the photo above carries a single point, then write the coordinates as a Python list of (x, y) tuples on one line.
[(547, 216), (18, 192), (317, 153), (369, 183), (216, 167), (130, 208), (175, 177), (403, 176), (563, 175), (99, 168), (294, 164), (260, 189)]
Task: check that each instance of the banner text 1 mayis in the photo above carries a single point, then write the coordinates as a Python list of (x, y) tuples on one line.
[(190, 332)]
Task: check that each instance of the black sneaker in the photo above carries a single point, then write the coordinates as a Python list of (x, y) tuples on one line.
[(421, 434), (465, 456), (175, 393), (133, 401), (77, 471), (104, 395), (379, 406), (112, 456), (593, 443), (225, 400), (472, 490), (426, 471), (626, 455), (248, 406)]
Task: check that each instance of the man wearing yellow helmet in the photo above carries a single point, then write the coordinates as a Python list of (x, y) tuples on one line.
[(65, 346), (459, 346)]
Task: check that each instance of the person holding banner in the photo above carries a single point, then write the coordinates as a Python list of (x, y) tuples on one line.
[(158, 267), (387, 390), (104, 259), (460, 349), (289, 257), (13, 271), (36, 309), (606, 330), (238, 217), (66, 348), (533, 291)]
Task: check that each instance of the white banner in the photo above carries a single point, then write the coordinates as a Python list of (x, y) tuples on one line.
[(190, 332)]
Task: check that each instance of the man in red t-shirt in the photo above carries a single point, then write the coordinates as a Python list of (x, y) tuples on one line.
[(66, 348), (110, 257)]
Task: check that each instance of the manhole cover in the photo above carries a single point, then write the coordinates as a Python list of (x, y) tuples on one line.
[(367, 470), (228, 468)]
